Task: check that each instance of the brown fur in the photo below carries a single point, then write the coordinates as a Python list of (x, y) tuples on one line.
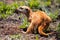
[(37, 18)]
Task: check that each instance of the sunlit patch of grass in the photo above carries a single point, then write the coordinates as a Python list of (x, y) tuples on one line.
[(33, 3), (24, 20), (37, 37), (6, 9)]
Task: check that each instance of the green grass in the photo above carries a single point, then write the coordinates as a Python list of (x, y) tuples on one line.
[(53, 15), (37, 37), (6, 9), (58, 28), (25, 22)]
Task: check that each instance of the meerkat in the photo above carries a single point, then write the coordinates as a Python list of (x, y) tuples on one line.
[(39, 18)]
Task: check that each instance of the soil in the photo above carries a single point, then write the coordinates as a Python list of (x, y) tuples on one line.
[(9, 30)]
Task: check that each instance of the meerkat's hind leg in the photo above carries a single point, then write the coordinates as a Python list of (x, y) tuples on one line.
[(41, 29)]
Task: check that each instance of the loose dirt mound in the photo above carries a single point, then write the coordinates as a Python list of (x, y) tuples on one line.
[(9, 27)]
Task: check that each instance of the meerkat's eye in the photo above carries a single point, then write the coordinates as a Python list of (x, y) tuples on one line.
[(26, 9), (20, 8)]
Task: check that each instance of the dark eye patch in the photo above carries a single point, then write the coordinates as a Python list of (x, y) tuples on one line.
[(26, 9), (20, 8)]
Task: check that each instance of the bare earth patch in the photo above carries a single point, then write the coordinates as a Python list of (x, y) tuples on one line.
[(9, 30)]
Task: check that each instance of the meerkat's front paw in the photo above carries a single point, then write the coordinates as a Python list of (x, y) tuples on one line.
[(23, 32)]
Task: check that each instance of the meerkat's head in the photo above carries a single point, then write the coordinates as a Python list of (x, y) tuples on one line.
[(24, 9)]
